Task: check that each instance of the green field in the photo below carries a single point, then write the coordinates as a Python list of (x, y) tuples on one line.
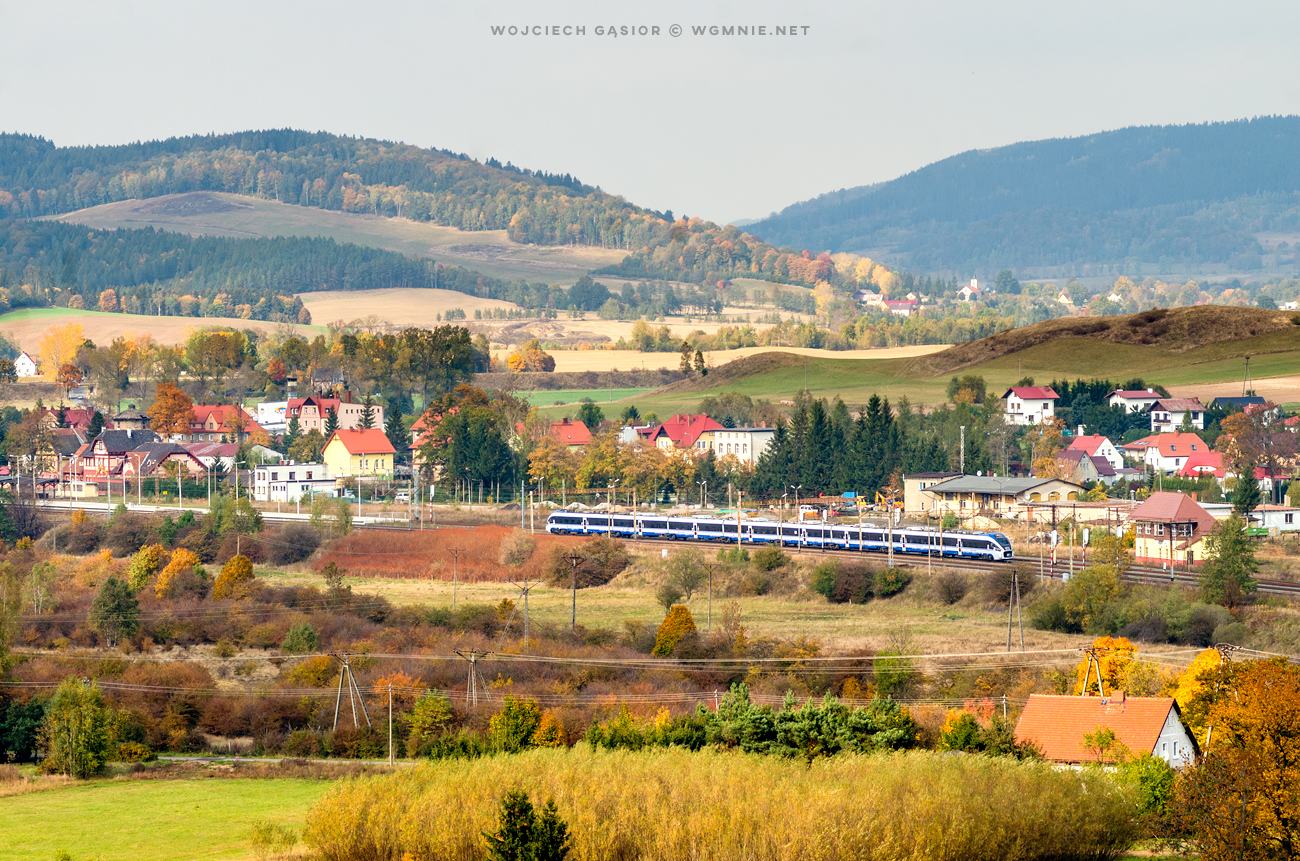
[(548, 397), (150, 820)]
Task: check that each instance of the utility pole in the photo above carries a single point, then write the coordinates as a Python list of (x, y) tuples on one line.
[(1094, 660), (709, 568), (526, 587), (455, 560), (348, 679), (472, 686), (573, 559), (1013, 602), (963, 449), (390, 723)]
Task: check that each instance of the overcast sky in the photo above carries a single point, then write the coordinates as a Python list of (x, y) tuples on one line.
[(724, 127)]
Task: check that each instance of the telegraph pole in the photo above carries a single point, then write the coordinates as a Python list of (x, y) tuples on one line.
[(526, 587), (1094, 660), (471, 688), (349, 680), (573, 559), (1013, 603), (455, 560)]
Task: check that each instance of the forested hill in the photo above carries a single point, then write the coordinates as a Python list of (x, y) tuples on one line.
[(359, 175), (1185, 194)]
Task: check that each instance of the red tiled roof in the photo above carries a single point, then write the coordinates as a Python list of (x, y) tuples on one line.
[(221, 413), (1088, 444), (1058, 724), (1032, 393), (1170, 444), (570, 432), (1166, 507), (684, 430), (372, 441), (1135, 395)]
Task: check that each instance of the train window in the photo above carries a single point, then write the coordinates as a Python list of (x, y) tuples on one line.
[(598, 521), (683, 525), (654, 524), (730, 527), (710, 527), (765, 530), (792, 531), (949, 541), (837, 534), (815, 533), (875, 536), (977, 543), (623, 522)]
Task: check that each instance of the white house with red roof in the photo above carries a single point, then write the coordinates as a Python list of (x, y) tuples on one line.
[(1168, 414), (26, 366), (1168, 528), (1030, 405), (1133, 401), (971, 291), (1166, 452), (681, 431), (1097, 445), (1211, 463)]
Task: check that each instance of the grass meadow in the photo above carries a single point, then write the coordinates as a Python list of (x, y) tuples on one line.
[(150, 820), (719, 806)]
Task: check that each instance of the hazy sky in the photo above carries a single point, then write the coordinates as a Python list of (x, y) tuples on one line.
[(724, 127)]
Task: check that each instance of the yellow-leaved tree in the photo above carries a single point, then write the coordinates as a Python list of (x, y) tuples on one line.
[(59, 346), (183, 563), (235, 578)]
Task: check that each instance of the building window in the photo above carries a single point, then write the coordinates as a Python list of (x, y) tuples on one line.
[(1286, 518)]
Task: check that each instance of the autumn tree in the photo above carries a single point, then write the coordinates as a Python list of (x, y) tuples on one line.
[(115, 612), (144, 565), (235, 578), (108, 301), (677, 624), (75, 734), (59, 346), (531, 357), (68, 377), (1045, 439), (171, 411), (1229, 571), (512, 728), (182, 564)]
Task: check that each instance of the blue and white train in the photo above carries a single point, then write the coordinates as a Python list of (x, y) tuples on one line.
[(957, 543)]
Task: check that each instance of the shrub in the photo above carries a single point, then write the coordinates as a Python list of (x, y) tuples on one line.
[(822, 580), (300, 640), (600, 559), (950, 587), (76, 730), (177, 574), (291, 543), (144, 565), (1234, 633), (668, 594), (516, 548), (687, 571), (128, 533), (512, 728), (677, 624), (235, 580), (134, 751), (84, 536), (998, 583), (891, 581), (270, 839), (770, 558)]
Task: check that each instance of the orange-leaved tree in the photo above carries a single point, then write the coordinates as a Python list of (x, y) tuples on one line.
[(235, 578), (171, 411), (182, 564)]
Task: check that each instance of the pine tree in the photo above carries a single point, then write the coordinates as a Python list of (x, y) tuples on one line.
[(115, 612), (368, 413), (685, 365), (96, 426), (291, 434), (699, 364), (395, 430), (1247, 497), (1228, 574), (331, 422)]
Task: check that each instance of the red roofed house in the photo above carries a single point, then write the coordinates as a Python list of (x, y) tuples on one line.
[(1133, 401), (1096, 445), (358, 452), (1167, 452), (1168, 528), (681, 431), (312, 412), (1168, 414), (1030, 405), (1206, 463), (569, 433), (1057, 725), (212, 422)]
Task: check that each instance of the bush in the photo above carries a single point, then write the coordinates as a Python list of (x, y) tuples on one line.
[(270, 839), (291, 543), (516, 548), (843, 582), (891, 581), (770, 558), (300, 640), (176, 577), (997, 585), (950, 587), (600, 559), (235, 580), (1233, 633), (668, 594), (144, 565), (84, 536), (128, 533)]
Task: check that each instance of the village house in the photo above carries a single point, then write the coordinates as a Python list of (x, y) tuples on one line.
[(913, 499), (1210, 463), (1096, 445), (290, 482), (1133, 401), (312, 412), (1058, 724), (745, 444), (212, 423), (1224, 403), (1168, 528), (901, 307), (130, 419), (1077, 466), (1166, 452), (570, 434), (1030, 405), (105, 455), (351, 453), (1277, 518), (25, 366), (971, 291), (162, 458), (680, 431), (1169, 414)]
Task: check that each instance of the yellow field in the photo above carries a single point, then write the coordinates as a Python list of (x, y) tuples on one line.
[(400, 306), (27, 325), (1280, 390)]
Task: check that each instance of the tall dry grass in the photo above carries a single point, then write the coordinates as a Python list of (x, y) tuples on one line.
[(427, 554), (674, 804)]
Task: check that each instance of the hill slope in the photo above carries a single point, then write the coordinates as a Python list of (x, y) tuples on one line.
[(1191, 194)]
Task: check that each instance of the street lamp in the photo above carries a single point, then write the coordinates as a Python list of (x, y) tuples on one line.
[(611, 495), (780, 519), (704, 493)]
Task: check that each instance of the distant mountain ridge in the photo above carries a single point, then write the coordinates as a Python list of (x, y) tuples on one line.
[(1190, 194)]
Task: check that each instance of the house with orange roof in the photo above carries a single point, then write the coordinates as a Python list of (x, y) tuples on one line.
[(569, 433), (1169, 528), (213, 422), (1057, 726), (1166, 452), (355, 452), (1030, 405)]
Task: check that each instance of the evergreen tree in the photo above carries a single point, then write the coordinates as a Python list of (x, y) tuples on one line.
[(395, 430), (1228, 575), (291, 434), (699, 364), (331, 422), (591, 416), (96, 426), (1247, 496), (367, 413), (685, 365)]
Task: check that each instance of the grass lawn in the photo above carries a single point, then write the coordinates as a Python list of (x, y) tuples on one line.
[(150, 820)]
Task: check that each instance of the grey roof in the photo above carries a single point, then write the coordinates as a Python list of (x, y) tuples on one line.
[(995, 484), (156, 452), (121, 441), (1237, 401), (1102, 465)]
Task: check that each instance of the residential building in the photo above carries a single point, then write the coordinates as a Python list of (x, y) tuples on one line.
[(1168, 528), (106, 454), (130, 419), (1133, 401), (312, 412), (73, 417), (1210, 463), (1169, 414), (913, 499), (290, 482), (154, 458), (358, 452), (272, 416), (1222, 403), (25, 366), (1279, 518), (680, 431), (629, 434), (215, 423), (1166, 452), (1030, 405), (901, 307), (569, 433), (997, 495), (1058, 724), (745, 444), (870, 298), (1097, 445), (1077, 466)]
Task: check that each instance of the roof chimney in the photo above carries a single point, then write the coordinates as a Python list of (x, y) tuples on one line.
[(1080, 431), (1151, 391)]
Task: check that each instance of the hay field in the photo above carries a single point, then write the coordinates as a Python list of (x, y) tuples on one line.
[(398, 306), (203, 213), (28, 324)]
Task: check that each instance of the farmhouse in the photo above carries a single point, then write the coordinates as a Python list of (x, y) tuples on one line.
[(26, 366), (1097, 445), (1133, 401), (1058, 724), (1030, 405), (681, 431)]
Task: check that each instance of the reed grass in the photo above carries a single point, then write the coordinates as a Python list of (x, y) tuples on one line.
[(712, 806)]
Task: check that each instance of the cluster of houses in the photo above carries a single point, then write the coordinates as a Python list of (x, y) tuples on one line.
[(77, 463)]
